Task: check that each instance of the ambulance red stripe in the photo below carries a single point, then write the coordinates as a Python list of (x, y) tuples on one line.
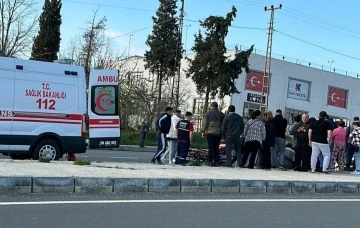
[(33, 117), (49, 116), (104, 121), (103, 127), (45, 121)]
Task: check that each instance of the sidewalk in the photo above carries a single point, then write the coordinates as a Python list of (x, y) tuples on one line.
[(33, 176), (136, 148)]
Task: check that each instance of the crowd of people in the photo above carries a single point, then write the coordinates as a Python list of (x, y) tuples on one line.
[(319, 144)]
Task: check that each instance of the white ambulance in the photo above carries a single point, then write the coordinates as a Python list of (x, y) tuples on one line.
[(43, 109)]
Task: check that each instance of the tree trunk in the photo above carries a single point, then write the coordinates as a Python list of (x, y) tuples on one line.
[(159, 104), (206, 102)]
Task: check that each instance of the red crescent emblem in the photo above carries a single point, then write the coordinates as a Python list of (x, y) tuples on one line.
[(98, 102)]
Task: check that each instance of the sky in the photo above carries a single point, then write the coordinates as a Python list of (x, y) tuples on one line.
[(306, 31)]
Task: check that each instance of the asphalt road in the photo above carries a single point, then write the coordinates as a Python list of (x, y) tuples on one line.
[(180, 211), (111, 156)]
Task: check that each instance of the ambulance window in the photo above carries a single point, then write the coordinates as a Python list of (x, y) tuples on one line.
[(104, 100)]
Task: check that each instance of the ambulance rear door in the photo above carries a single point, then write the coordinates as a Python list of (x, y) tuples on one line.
[(103, 109)]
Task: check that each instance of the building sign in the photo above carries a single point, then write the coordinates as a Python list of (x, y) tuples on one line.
[(254, 81), (337, 97), (256, 98), (298, 89)]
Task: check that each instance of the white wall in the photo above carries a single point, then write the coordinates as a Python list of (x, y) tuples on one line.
[(281, 71)]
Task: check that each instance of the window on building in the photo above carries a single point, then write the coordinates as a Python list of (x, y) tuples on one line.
[(136, 74), (198, 107), (249, 108), (336, 119), (291, 113)]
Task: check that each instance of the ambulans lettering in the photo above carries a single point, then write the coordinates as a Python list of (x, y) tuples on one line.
[(47, 97), (6, 113), (107, 79)]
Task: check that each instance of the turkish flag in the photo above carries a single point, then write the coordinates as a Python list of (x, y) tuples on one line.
[(254, 81), (337, 97)]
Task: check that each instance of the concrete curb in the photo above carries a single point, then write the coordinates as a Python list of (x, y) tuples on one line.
[(21, 185)]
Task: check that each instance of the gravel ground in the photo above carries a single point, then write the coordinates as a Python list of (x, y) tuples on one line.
[(135, 170)]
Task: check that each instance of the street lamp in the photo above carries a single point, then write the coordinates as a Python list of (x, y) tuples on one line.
[(331, 62)]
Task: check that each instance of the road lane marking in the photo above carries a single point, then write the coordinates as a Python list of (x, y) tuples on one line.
[(125, 158), (175, 201)]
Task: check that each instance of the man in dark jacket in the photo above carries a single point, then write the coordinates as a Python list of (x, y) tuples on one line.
[(303, 150), (163, 125), (232, 128), (212, 129), (280, 142)]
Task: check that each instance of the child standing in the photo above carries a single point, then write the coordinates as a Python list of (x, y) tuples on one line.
[(185, 131)]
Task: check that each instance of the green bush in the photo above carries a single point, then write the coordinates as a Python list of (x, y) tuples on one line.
[(133, 137), (44, 160), (82, 162)]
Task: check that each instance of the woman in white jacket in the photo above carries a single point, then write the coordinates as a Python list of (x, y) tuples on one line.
[(172, 139)]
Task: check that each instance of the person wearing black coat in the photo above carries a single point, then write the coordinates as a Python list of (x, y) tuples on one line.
[(280, 141), (303, 150), (268, 143), (163, 125)]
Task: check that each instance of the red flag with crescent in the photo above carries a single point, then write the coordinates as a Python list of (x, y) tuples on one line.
[(254, 81), (337, 97)]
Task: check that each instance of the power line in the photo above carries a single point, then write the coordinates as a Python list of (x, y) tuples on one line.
[(333, 30), (245, 3), (232, 26), (110, 6), (318, 46), (256, 3), (322, 20), (144, 28), (290, 12)]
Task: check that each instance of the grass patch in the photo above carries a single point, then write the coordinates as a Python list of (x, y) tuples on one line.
[(44, 160), (82, 162), (194, 162), (133, 137)]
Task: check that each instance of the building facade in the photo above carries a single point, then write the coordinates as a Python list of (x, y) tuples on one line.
[(296, 89), (293, 88)]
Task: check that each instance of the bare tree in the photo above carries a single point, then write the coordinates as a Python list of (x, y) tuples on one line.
[(18, 23), (72, 51), (107, 57), (92, 41)]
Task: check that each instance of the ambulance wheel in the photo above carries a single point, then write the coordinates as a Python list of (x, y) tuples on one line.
[(47, 149)]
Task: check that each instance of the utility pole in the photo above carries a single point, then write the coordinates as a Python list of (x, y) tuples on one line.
[(177, 68), (186, 36), (266, 78), (128, 56)]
